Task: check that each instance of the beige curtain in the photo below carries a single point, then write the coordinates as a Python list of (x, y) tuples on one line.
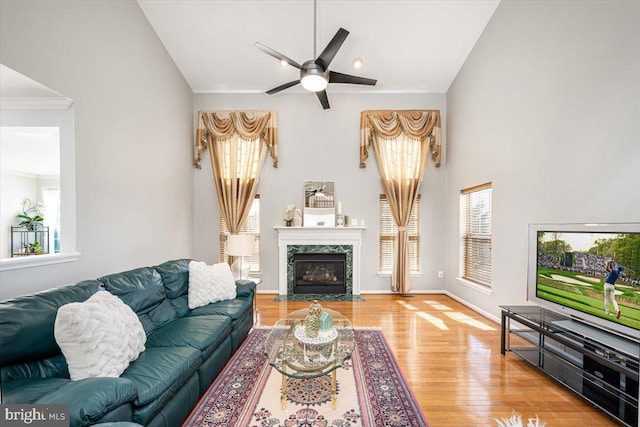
[(402, 141), (238, 142)]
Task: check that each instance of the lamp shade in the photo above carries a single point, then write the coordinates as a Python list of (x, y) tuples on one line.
[(241, 244)]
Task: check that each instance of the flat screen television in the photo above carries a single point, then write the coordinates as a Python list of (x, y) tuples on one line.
[(568, 267)]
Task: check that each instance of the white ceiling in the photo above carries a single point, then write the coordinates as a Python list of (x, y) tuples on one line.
[(31, 151), (18, 91), (408, 46), (28, 150), (15, 85)]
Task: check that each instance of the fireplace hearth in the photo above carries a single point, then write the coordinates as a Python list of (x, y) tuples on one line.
[(319, 273)]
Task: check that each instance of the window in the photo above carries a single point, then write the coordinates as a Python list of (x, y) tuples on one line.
[(60, 218), (475, 234), (389, 232), (251, 226)]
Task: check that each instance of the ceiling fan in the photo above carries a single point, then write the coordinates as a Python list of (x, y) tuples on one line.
[(314, 73)]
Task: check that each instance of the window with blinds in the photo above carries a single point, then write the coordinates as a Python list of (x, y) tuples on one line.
[(389, 232), (251, 226), (475, 234)]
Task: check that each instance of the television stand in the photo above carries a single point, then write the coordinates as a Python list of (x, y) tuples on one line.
[(599, 365)]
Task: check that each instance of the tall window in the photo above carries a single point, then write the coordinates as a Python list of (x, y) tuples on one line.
[(475, 234), (389, 232), (251, 226)]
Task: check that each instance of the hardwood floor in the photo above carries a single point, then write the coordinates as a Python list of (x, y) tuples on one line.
[(451, 357)]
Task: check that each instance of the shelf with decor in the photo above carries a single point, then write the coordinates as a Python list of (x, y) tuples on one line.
[(28, 241)]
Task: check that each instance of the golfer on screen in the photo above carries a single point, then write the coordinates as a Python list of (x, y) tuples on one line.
[(610, 289)]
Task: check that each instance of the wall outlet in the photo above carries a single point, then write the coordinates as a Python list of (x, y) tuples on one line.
[(440, 274)]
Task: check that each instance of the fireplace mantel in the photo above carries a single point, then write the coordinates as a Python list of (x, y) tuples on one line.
[(290, 236)]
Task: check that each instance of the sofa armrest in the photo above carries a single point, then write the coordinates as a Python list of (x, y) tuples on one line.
[(91, 399), (245, 288)]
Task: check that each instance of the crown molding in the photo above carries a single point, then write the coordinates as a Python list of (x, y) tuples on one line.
[(36, 103)]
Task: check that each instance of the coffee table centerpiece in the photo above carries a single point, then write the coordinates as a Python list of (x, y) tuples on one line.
[(310, 343)]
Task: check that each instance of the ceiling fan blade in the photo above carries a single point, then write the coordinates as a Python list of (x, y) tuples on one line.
[(283, 87), (330, 51), (277, 55), (335, 77), (322, 96)]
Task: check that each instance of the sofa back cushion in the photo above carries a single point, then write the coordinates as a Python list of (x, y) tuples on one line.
[(175, 277), (26, 323), (142, 290), (52, 367)]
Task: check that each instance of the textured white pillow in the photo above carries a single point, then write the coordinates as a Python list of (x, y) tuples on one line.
[(99, 337), (210, 283)]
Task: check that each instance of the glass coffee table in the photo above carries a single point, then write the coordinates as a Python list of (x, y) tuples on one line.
[(297, 356)]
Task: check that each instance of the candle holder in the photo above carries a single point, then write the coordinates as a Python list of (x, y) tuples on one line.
[(339, 220)]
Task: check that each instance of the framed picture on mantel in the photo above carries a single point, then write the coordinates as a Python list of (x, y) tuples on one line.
[(319, 205)]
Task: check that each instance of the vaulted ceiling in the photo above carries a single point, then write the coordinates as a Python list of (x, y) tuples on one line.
[(408, 46)]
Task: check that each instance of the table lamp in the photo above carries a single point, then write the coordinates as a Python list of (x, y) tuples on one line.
[(240, 245)]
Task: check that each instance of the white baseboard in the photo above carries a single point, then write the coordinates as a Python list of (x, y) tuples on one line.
[(389, 292), (478, 310)]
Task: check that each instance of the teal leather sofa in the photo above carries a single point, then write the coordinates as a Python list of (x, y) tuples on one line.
[(185, 349)]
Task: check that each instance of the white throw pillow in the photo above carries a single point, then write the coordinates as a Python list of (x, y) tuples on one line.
[(210, 283), (99, 337)]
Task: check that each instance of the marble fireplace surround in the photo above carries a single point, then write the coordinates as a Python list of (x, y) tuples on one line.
[(319, 240)]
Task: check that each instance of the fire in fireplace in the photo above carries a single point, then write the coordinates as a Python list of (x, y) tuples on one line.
[(319, 273)]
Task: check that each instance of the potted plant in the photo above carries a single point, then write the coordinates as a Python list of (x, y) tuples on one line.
[(35, 248), (31, 217), (289, 212)]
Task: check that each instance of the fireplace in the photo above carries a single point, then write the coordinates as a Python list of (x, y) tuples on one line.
[(319, 273), (320, 241)]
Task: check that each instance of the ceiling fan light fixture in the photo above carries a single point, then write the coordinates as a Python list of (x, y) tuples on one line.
[(313, 78), (314, 73), (314, 82)]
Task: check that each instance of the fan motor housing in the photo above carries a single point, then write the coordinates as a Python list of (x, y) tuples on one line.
[(311, 68)]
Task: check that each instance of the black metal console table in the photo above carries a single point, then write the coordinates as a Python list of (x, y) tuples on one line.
[(597, 364)]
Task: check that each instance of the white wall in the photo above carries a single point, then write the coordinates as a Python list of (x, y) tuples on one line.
[(324, 145), (546, 107), (133, 133)]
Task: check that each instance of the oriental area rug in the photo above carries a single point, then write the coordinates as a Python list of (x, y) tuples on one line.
[(372, 391)]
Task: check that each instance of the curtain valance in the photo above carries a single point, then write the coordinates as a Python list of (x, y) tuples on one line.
[(388, 124), (248, 125)]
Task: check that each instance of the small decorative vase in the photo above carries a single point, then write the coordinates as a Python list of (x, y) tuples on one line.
[(297, 218), (312, 321), (326, 322)]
